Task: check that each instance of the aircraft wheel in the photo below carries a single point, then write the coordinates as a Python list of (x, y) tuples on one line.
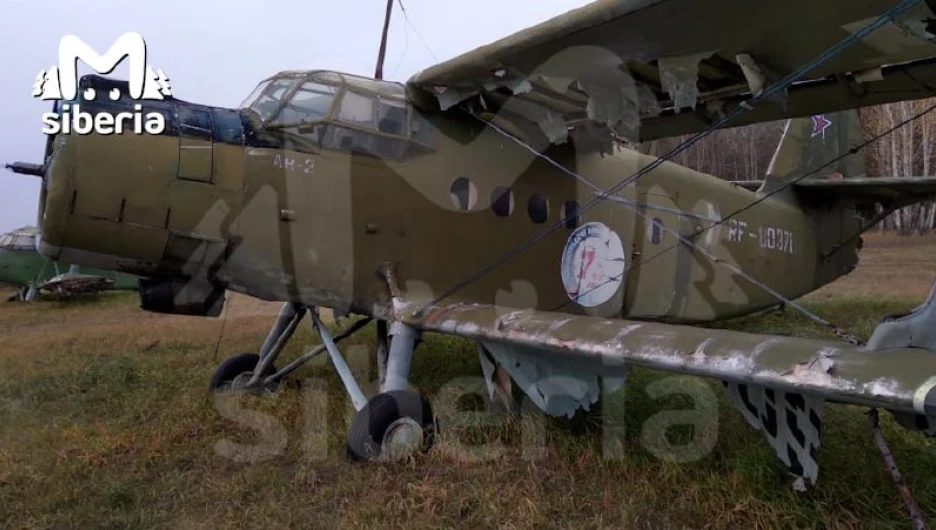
[(391, 427), (235, 372)]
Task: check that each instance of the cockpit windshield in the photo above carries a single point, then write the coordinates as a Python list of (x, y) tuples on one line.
[(255, 94), (342, 112), (311, 102), (271, 97)]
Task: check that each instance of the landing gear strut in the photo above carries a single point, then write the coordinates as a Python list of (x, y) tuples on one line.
[(24, 294), (391, 426), (396, 423)]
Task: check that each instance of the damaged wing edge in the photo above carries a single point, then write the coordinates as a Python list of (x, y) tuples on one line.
[(891, 379)]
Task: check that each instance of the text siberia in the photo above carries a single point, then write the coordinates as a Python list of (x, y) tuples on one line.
[(73, 120)]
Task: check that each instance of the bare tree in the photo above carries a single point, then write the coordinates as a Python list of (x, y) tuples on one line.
[(744, 153)]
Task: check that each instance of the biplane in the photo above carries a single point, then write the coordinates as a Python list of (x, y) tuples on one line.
[(494, 197)]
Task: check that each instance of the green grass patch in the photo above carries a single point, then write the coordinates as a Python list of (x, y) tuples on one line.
[(96, 432)]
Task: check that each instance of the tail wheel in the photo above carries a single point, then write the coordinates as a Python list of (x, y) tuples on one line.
[(391, 427)]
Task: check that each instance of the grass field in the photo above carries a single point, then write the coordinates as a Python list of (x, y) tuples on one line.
[(105, 421)]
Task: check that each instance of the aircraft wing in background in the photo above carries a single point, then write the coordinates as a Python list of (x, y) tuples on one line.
[(70, 284)]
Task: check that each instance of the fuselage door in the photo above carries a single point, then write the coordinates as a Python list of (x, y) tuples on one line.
[(654, 272), (196, 147)]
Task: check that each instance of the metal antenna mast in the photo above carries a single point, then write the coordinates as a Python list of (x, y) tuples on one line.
[(383, 41)]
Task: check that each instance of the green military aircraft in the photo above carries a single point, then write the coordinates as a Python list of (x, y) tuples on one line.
[(23, 267), (492, 197)]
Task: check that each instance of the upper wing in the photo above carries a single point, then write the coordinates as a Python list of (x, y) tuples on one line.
[(659, 68)]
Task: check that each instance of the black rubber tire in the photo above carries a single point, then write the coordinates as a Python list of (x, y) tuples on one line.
[(234, 366), (371, 423)]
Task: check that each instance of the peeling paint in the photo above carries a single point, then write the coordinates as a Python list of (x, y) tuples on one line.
[(449, 97), (680, 75), (613, 105), (755, 77), (700, 350), (884, 387), (870, 75), (907, 36), (649, 105), (813, 367), (917, 23), (554, 127), (516, 86)]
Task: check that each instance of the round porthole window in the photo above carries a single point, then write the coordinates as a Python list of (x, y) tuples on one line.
[(539, 208), (502, 201), (464, 194), (570, 214)]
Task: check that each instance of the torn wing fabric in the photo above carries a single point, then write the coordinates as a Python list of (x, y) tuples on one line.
[(649, 69)]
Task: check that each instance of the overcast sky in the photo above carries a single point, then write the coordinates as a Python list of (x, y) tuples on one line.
[(215, 52)]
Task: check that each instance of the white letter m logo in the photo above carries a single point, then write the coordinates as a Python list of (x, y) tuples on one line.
[(62, 82)]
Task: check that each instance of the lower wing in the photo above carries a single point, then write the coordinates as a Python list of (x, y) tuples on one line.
[(778, 383)]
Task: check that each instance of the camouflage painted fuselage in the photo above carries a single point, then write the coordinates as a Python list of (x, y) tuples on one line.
[(272, 215)]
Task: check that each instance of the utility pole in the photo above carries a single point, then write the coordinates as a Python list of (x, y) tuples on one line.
[(383, 41)]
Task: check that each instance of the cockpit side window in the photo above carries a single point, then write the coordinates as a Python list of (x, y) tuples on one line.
[(311, 102), (391, 117), (338, 112), (272, 97), (357, 109)]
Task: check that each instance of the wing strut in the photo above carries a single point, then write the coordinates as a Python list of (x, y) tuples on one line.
[(916, 516)]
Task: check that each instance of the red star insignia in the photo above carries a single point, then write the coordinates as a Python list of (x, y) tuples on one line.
[(820, 124)]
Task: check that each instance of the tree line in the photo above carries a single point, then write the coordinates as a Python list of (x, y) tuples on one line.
[(744, 153)]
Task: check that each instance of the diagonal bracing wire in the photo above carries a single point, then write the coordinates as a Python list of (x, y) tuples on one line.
[(416, 31), (778, 87), (711, 257), (785, 186)]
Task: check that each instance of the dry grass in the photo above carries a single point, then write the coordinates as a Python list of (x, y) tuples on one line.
[(890, 266), (105, 421)]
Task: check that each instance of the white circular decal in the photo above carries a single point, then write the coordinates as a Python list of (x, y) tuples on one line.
[(593, 264)]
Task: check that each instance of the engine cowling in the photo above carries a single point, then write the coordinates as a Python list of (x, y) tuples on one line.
[(193, 298)]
